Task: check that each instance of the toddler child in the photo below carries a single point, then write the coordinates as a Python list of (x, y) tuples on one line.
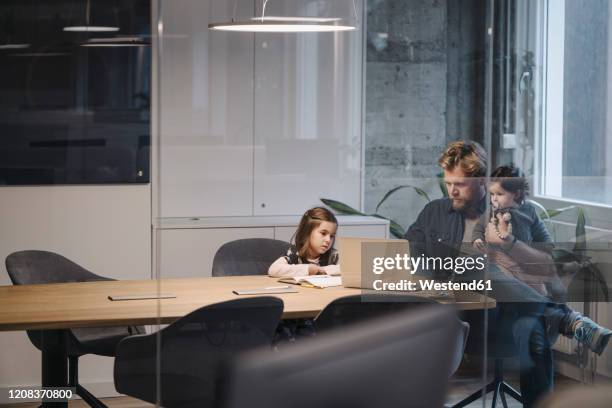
[(514, 220)]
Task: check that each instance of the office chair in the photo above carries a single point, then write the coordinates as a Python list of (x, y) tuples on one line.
[(41, 267), (252, 256), (350, 310), (401, 360), (500, 346), (194, 352)]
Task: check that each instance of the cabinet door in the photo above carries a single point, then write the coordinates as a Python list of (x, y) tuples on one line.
[(284, 233), (363, 231), (189, 252), (308, 90), (206, 135)]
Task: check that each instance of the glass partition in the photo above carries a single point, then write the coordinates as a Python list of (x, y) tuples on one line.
[(475, 129), (552, 69)]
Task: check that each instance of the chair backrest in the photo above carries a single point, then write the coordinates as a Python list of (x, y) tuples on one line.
[(34, 267), (252, 256), (398, 361), (40, 267), (355, 309), (194, 352)]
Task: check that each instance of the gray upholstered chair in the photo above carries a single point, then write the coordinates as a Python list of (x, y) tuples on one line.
[(399, 361), (41, 267), (194, 352), (252, 256), (350, 310)]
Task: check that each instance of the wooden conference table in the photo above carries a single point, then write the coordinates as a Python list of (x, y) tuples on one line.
[(86, 304)]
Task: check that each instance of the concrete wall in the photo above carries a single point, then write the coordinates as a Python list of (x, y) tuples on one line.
[(424, 86)]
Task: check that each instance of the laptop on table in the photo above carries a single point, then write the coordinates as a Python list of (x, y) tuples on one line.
[(360, 258)]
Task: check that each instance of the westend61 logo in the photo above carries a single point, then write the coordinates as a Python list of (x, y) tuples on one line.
[(405, 262), (399, 271)]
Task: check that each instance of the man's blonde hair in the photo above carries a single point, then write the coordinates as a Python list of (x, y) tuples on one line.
[(468, 156)]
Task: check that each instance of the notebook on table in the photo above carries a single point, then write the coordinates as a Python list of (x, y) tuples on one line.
[(314, 281)]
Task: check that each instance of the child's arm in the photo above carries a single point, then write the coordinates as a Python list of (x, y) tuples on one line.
[(333, 270), (541, 238), (480, 245), (281, 268), (478, 234)]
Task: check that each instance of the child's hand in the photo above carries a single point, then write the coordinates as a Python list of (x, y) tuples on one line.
[(480, 245), (322, 271), (313, 269), (316, 270), (493, 232)]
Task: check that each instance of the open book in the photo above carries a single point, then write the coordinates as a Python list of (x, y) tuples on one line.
[(314, 281)]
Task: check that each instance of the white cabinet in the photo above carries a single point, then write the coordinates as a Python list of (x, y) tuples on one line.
[(256, 124), (189, 252), (307, 121), (187, 246), (206, 97), (380, 230)]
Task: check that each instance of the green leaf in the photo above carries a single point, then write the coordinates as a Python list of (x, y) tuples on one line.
[(418, 190), (340, 207), (580, 232), (562, 256), (441, 184), (548, 214), (543, 212), (555, 212), (394, 228), (599, 278)]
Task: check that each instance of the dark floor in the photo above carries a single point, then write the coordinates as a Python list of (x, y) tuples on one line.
[(463, 383)]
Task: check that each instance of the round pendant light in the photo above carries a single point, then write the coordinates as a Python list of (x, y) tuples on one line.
[(116, 42), (89, 28), (287, 24)]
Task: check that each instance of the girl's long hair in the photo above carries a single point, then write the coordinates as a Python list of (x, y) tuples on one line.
[(311, 220)]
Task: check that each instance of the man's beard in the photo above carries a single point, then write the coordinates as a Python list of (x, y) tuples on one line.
[(461, 205)]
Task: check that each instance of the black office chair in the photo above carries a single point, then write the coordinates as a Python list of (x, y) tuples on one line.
[(41, 267), (500, 347), (349, 310), (252, 256), (194, 352), (392, 362)]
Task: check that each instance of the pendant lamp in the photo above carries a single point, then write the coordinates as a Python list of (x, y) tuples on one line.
[(8, 24), (288, 24), (89, 27), (116, 42)]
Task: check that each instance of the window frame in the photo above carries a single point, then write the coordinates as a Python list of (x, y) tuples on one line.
[(548, 174)]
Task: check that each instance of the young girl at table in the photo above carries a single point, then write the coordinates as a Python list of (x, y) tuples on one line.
[(312, 247), (311, 253), (512, 220)]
